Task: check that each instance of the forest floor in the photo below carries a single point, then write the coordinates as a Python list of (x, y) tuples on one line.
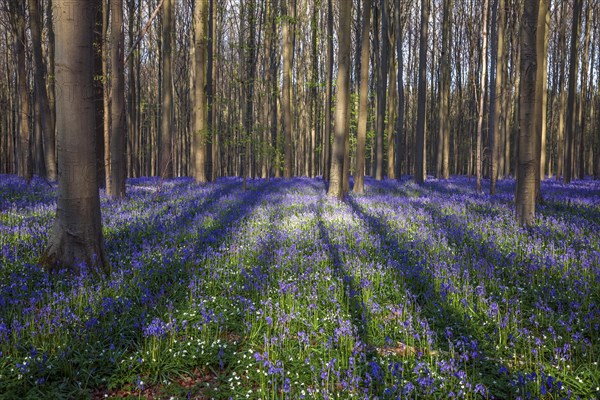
[(280, 292)]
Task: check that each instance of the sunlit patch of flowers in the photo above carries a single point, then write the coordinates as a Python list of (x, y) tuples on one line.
[(280, 292)]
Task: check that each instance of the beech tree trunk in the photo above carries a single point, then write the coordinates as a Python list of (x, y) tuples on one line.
[(443, 170), (572, 98), (327, 152), (526, 171), (48, 134), (76, 241), (420, 159), (165, 155), (342, 101), (482, 94), (363, 100), (381, 90), (497, 91), (17, 20), (118, 129), (287, 87), (199, 114)]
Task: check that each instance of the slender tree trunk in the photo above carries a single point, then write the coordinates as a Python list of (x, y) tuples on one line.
[(361, 134), (572, 99), (200, 108), (482, 94), (48, 135), (117, 106), (103, 112), (17, 18), (401, 102), (381, 90), (420, 161), (443, 151), (76, 241), (542, 95), (342, 101), (327, 162), (165, 155), (497, 91), (583, 102), (287, 86), (525, 195), (391, 151)]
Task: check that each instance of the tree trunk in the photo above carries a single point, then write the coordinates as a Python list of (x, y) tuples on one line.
[(584, 101), (443, 166), (420, 161), (118, 130), (381, 90), (361, 133), (525, 194), (482, 94), (327, 153), (401, 103), (342, 101), (199, 115), (165, 155), (287, 86), (76, 241), (48, 133), (542, 95), (17, 19), (391, 151), (572, 99), (497, 90)]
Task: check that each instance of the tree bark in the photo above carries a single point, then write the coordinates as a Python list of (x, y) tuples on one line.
[(381, 90), (401, 102), (363, 100), (17, 19), (482, 94), (199, 115), (342, 101), (497, 91), (526, 172), (443, 166), (165, 155), (76, 241), (287, 87), (420, 160), (48, 134), (572, 99), (118, 130), (327, 153)]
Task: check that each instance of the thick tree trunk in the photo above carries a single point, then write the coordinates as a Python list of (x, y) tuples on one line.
[(363, 100), (76, 241), (118, 129), (526, 172), (41, 96), (342, 101)]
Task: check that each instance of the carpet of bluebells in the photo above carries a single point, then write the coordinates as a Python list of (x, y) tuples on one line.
[(278, 292)]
